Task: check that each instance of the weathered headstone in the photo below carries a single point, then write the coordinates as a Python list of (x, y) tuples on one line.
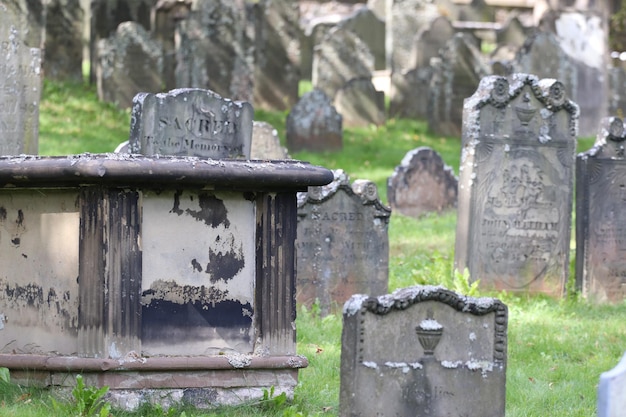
[(429, 41), (314, 124), (342, 244), (64, 40), (190, 122), (266, 143), (403, 102), (423, 351), (20, 81), (617, 89), (371, 30), (422, 183), (360, 104), (600, 218), (612, 391), (339, 58), (277, 54), (129, 62), (455, 76), (515, 185), (216, 50)]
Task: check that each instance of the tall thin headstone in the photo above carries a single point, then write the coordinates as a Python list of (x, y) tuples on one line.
[(423, 351), (20, 82), (600, 219), (342, 244), (190, 122), (612, 391), (516, 184)]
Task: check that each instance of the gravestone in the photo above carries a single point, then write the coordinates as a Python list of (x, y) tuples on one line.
[(20, 80), (421, 184), (612, 391), (429, 41), (455, 76), (277, 54), (342, 244), (512, 33), (617, 89), (371, 30), (339, 58), (216, 50), (129, 62), (515, 185), (314, 124), (360, 104), (423, 351), (266, 143), (64, 40), (190, 122), (600, 218), (403, 102)]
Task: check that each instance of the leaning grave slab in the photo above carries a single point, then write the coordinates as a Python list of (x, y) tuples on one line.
[(423, 351), (600, 218), (164, 277), (515, 185)]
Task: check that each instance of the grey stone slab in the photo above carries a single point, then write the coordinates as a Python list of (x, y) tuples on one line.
[(342, 244), (192, 122), (129, 62), (266, 143), (422, 184), (423, 351), (612, 391), (403, 102), (64, 40), (371, 30), (20, 80), (430, 40), (600, 218), (314, 124), (516, 184), (360, 104)]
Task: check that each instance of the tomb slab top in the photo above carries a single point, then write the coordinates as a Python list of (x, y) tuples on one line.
[(28, 171)]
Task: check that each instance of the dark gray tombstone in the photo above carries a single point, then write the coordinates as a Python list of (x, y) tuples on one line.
[(403, 102), (64, 40), (216, 50), (190, 122), (600, 218), (423, 351), (20, 81), (339, 58), (314, 124), (515, 185), (342, 244), (422, 184), (456, 74), (129, 62), (612, 391), (266, 143), (360, 104), (277, 54)]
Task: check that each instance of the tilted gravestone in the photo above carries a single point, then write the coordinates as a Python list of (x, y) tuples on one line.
[(64, 40), (371, 30), (266, 143), (342, 244), (360, 104), (20, 81), (612, 391), (422, 183), (190, 122), (314, 124), (516, 184), (423, 351), (129, 62), (600, 218)]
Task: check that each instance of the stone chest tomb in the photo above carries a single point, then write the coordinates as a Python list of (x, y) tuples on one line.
[(515, 185), (423, 351)]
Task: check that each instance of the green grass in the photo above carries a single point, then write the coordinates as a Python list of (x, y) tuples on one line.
[(557, 348)]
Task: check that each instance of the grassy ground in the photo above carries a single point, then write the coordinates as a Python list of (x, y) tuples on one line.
[(557, 348)]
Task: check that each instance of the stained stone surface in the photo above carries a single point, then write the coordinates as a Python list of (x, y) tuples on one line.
[(20, 80), (429, 40), (422, 183), (423, 351), (371, 30), (64, 40), (314, 124), (612, 391), (515, 185), (360, 104), (266, 143), (600, 218), (192, 122), (129, 62), (342, 243), (403, 102)]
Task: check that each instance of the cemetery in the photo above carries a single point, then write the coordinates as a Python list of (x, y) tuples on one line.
[(312, 208)]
